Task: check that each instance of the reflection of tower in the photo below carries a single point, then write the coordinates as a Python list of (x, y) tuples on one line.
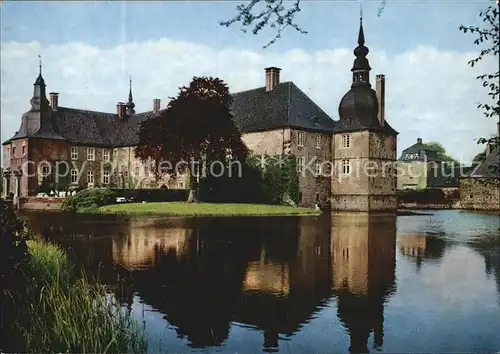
[(364, 261)]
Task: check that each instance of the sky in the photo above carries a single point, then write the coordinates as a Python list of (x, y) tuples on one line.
[(89, 49)]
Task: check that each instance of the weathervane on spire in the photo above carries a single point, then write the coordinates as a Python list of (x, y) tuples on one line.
[(40, 63), (361, 11)]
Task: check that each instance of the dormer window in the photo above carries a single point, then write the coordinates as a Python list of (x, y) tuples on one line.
[(315, 120)]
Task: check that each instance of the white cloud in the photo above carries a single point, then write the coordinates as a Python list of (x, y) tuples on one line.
[(430, 93)]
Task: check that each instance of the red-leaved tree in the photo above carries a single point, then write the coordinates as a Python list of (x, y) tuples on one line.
[(197, 127)]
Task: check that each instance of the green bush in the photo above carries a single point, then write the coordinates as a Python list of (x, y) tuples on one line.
[(89, 199), (275, 184)]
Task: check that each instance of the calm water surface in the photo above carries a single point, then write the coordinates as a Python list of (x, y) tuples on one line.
[(329, 284)]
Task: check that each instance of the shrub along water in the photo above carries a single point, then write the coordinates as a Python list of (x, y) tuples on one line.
[(89, 199), (70, 314)]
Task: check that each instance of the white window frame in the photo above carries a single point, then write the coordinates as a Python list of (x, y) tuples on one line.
[(23, 150), (317, 167), (105, 155), (318, 141), (105, 177), (90, 178), (300, 139), (90, 154), (300, 164), (74, 173), (346, 167), (346, 141), (74, 153), (7, 157)]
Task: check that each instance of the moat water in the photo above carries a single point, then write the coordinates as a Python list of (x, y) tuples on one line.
[(328, 284)]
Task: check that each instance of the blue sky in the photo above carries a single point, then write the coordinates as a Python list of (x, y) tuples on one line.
[(90, 48)]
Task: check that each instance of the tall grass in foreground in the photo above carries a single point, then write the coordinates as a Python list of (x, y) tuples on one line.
[(69, 314)]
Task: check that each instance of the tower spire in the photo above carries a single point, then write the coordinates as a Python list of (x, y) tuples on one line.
[(361, 35), (130, 104)]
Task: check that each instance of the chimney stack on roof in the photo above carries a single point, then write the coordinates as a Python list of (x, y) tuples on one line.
[(489, 149), (156, 105), (419, 140), (54, 101), (380, 89), (121, 110), (272, 77)]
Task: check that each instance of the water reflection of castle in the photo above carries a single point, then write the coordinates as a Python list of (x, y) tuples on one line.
[(272, 279), (363, 274), (421, 247)]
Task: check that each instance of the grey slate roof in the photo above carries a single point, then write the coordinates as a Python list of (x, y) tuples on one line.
[(84, 127), (98, 128), (490, 167), (447, 176), (422, 150), (285, 106)]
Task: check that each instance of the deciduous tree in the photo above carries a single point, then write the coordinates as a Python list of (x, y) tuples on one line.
[(197, 127), (275, 14), (441, 151), (488, 39)]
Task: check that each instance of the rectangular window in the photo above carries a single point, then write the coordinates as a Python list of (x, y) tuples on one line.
[(317, 167), (318, 141), (137, 170), (346, 141), (90, 178), (90, 154), (105, 155), (181, 185), (74, 153), (7, 154), (14, 152), (74, 176), (105, 177), (115, 154), (24, 150), (346, 167), (300, 164), (300, 139)]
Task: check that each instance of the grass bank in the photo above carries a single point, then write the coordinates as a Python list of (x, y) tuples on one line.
[(204, 209), (63, 313)]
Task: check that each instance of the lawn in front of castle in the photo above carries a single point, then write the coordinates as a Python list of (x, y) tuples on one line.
[(205, 209)]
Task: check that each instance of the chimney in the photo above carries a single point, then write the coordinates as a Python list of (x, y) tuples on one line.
[(488, 150), (419, 140), (272, 77), (380, 88), (121, 110), (54, 101), (156, 105)]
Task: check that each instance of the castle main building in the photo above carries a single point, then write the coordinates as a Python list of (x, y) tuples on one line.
[(352, 157)]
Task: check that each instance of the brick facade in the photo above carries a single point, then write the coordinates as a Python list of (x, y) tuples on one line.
[(308, 147)]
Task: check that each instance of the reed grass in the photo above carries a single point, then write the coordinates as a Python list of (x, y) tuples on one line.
[(70, 314)]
